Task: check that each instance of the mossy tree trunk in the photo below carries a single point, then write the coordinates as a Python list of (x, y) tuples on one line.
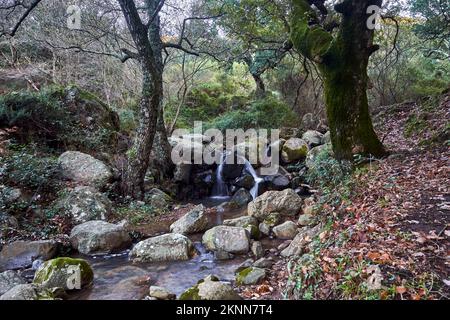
[(342, 60), (149, 105), (161, 163)]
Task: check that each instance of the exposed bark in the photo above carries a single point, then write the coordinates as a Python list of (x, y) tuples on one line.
[(151, 95), (161, 164), (342, 61), (260, 86)]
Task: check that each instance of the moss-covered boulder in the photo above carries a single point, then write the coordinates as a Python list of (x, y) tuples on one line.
[(294, 149), (210, 288), (250, 276), (62, 118), (66, 273)]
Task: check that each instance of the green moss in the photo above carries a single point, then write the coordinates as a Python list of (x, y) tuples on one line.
[(190, 294), (240, 277), (45, 271), (253, 230), (272, 219)]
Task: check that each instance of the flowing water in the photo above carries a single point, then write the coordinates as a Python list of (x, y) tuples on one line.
[(220, 188), (117, 278)]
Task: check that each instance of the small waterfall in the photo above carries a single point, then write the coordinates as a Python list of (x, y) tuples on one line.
[(220, 188), (255, 190)]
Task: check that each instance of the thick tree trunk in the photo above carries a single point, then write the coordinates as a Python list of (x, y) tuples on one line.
[(151, 96), (343, 62), (162, 164), (139, 154)]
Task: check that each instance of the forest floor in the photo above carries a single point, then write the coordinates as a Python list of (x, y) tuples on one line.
[(389, 239)]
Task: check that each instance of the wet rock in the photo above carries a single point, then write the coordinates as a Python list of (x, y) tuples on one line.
[(286, 231), (161, 293), (194, 221), (257, 249), (313, 138), (223, 255), (250, 276), (246, 181), (99, 237), (294, 149), (244, 265), (241, 222), (240, 199), (303, 238), (276, 182), (66, 273), (84, 169), (285, 202), (8, 280), (232, 171), (27, 292), (84, 204), (210, 289), (229, 239), (21, 254), (205, 178), (263, 263), (168, 247), (133, 288)]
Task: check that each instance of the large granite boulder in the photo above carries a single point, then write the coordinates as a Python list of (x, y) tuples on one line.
[(228, 239), (8, 280), (66, 273), (286, 203), (194, 221), (210, 289), (84, 204), (168, 247), (84, 169), (99, 237), (294, 149)]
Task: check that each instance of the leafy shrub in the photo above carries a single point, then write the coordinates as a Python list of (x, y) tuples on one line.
[(332, 176), (60, 118), (268, 113), (24, 168)]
